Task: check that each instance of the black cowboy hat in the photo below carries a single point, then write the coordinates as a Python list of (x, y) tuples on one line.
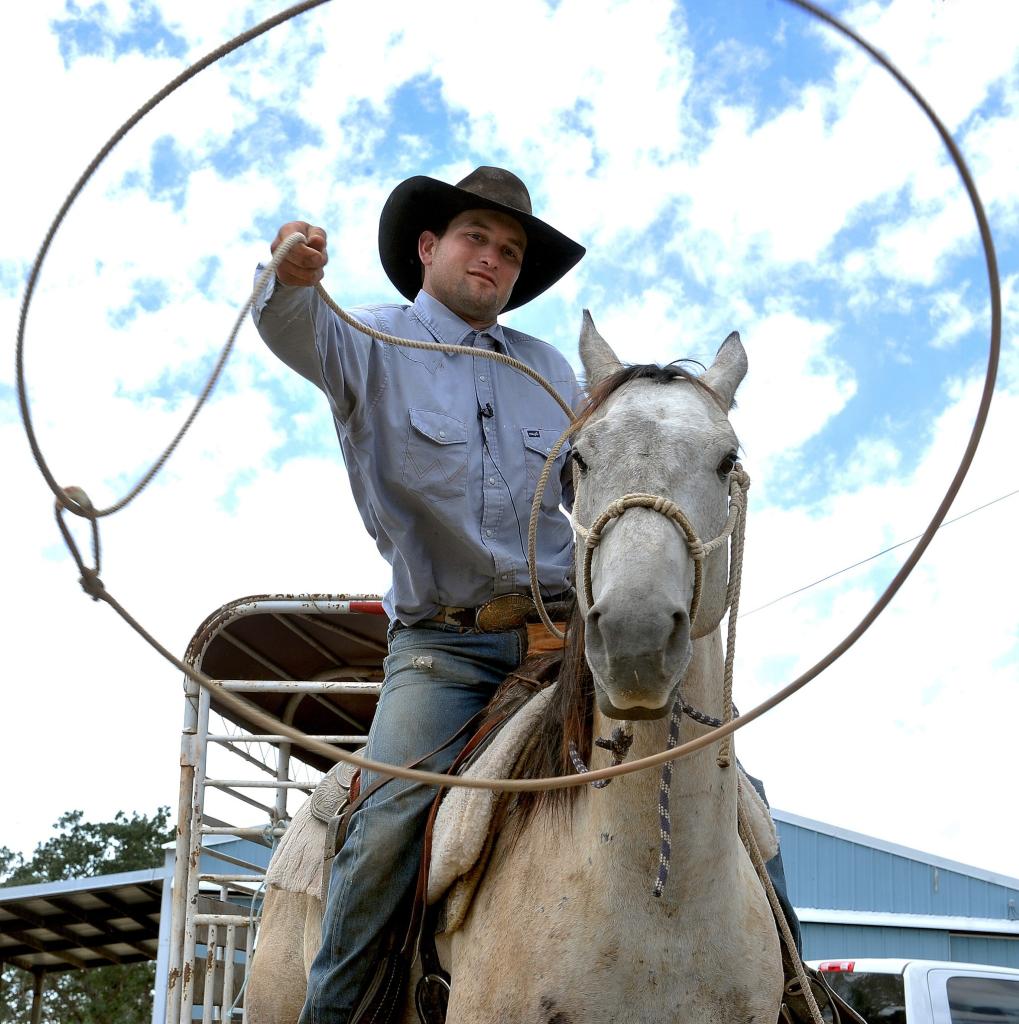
[(419, 204)]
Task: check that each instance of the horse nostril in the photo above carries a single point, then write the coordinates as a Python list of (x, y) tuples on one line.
[(680, 627), (593, 619)]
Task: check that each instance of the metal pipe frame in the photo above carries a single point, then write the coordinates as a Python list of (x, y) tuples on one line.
[(191, 876)]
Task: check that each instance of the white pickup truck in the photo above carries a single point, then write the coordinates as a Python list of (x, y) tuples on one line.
[(925, 991)]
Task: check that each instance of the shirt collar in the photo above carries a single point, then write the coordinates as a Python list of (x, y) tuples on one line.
[(446, 326)]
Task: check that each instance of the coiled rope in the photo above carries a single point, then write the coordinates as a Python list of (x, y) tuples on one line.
[(76, 502)]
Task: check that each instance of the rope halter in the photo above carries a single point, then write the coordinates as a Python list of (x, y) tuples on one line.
[(739, 483), (734, 528), (734, 531)]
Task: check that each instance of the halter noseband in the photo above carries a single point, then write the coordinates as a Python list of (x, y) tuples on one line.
[(739, 483)]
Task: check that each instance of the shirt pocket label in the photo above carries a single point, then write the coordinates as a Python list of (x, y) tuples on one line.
[(435, 459), (538, 444)]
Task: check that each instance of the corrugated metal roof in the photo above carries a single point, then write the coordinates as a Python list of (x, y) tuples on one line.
[(831, 867), (82, 922), (859, 896)]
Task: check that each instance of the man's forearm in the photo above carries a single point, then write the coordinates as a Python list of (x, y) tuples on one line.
[(285, 320)]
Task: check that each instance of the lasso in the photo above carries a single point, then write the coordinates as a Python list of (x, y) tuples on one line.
[(76, 501)]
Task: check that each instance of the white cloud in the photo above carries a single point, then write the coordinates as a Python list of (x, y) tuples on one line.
[(795, 386), (909, 730), (753, 205)]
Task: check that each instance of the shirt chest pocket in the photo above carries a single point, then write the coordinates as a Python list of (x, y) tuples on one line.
[(435, 458), (538, 444)]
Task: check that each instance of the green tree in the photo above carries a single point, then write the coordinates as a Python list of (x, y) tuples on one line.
[(83, 849)]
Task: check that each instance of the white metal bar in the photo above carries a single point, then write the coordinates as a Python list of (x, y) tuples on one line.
[(240, 831), (249, 953), (185, 798), (299, 686), (271, 737), (883, 919), (228, 877), (283, 759), (187, 991), (258, 784), (209, 995), (226, 1006), (233, 920), (310, 606)]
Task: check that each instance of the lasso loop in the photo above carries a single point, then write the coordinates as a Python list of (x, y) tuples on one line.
[(78, 505)]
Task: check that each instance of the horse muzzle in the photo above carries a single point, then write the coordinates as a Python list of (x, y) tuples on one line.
[(638, 679)]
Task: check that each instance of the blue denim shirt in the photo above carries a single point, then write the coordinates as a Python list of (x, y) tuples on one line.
[(443, 451)]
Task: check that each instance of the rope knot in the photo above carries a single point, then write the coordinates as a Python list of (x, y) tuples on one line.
[(619, 743), (667, 507), (92, 584), (616, 508), (75, 500)]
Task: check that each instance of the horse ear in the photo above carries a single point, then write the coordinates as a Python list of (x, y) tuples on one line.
[(598, 358), (728, 369)]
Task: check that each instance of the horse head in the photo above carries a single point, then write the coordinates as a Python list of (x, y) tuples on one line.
[(660, 431)]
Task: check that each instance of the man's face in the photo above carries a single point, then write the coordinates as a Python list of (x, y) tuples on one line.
[(473, 267)]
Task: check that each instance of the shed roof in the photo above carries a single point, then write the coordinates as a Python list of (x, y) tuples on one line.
[(82, 922), (895, 849), (299, 637)]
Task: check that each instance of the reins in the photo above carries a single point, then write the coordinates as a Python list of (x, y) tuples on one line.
[(76, 501)]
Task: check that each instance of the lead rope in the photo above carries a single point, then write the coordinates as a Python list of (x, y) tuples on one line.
[(737, 497), (785, 933), (664, 805), (735, 528)]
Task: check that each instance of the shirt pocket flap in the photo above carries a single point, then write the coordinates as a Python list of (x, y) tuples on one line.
[(542, 440), (439, 426)]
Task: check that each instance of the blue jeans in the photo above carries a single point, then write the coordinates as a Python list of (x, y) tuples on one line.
[(436, 678)]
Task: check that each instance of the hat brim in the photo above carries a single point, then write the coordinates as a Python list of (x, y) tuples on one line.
[(421, 203)]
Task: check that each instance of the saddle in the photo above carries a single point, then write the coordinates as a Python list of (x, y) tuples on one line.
[(457, 877)]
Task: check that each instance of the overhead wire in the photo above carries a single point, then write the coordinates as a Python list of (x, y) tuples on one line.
[(871, 558)]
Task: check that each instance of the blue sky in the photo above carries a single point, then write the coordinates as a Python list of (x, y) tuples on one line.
[(729, 167)]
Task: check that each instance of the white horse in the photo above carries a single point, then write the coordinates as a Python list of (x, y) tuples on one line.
[(563, 927)]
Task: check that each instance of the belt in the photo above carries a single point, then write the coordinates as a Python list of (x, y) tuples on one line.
[(507, 611)]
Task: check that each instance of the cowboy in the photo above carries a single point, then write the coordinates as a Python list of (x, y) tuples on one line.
[(443, 452)]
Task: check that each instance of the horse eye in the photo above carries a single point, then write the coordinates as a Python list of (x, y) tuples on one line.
[(728, 464), (578, 459)]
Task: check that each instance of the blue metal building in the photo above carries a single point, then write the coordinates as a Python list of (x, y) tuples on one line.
[(858, 896)]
